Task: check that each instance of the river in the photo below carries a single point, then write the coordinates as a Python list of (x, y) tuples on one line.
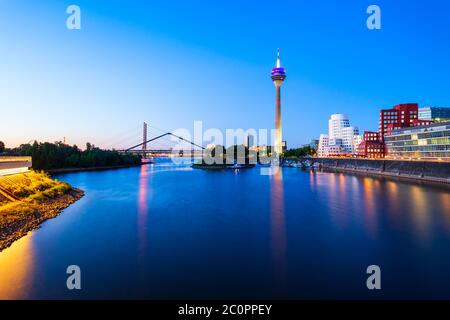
[(168, 231)]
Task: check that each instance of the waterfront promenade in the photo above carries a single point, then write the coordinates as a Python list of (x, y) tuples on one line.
[(421, 171)]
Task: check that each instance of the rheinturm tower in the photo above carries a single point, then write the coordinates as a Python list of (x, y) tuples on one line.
[(278, 76)]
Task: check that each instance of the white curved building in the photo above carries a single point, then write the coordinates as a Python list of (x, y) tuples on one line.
[(340, 139)]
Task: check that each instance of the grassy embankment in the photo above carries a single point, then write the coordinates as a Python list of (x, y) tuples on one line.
[(37, 198)]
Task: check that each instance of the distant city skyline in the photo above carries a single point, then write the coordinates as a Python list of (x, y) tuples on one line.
[(170, 64)]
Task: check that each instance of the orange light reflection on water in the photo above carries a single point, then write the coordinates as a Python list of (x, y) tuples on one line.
[(16, 269), (445, 202), (421, 214), (371, 188)]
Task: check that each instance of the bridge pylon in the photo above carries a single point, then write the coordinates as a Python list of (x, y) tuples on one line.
[(144, 140)]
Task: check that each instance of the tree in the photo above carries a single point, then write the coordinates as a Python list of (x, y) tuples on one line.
[(237, 154), (2, 147), (300, 152)]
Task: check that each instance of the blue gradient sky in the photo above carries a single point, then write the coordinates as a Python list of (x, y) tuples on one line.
[(173, 62)]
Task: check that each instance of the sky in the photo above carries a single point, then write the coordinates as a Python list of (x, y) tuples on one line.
[(171, 63)]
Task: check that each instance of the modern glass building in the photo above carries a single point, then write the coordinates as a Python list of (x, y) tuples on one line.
[(434, 114), (430, 142)]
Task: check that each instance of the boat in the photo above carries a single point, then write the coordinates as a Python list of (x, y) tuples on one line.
[(316, 165)]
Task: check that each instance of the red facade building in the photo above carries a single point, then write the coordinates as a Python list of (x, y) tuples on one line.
[(400, 116), (372, 146)]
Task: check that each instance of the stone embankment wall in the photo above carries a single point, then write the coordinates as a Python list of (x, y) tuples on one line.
[(417, 170)]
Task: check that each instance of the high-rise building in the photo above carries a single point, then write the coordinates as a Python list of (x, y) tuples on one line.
[(278, 76), (421, 142), (435, 114)]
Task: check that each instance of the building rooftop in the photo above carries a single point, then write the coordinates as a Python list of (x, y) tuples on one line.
[(443, 125)]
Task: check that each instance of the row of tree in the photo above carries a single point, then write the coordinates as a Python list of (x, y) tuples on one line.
[(59, 155), (300, 152), (219, 155)]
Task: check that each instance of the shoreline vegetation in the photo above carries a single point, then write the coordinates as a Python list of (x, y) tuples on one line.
[(221, 158), (59, 156), (37, 198)]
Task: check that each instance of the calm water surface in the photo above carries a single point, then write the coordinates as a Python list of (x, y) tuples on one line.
[(167, 231)]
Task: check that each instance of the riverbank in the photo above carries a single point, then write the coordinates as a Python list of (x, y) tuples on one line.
[(70, 170), (418, 171), (38, 198)]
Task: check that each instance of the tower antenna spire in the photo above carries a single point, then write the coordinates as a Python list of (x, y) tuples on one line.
[(278, 58)]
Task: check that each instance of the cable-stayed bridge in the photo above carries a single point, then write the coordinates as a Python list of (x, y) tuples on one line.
[(165, 144)]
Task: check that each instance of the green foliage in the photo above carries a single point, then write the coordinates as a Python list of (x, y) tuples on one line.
[(58, 155), (2, 146), (219, 155), (300, 152)]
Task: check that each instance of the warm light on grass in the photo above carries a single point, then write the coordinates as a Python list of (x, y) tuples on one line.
[(34, 187), (15, 210), (28, 199)]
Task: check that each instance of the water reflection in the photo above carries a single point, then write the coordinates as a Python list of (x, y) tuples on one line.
[(313, 180), (310, 205), (345, 198), (335, 199), (16, 269), (445, 203), (143, 198), (392, 195), (278, 229), (371, 190), (420, 212)]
